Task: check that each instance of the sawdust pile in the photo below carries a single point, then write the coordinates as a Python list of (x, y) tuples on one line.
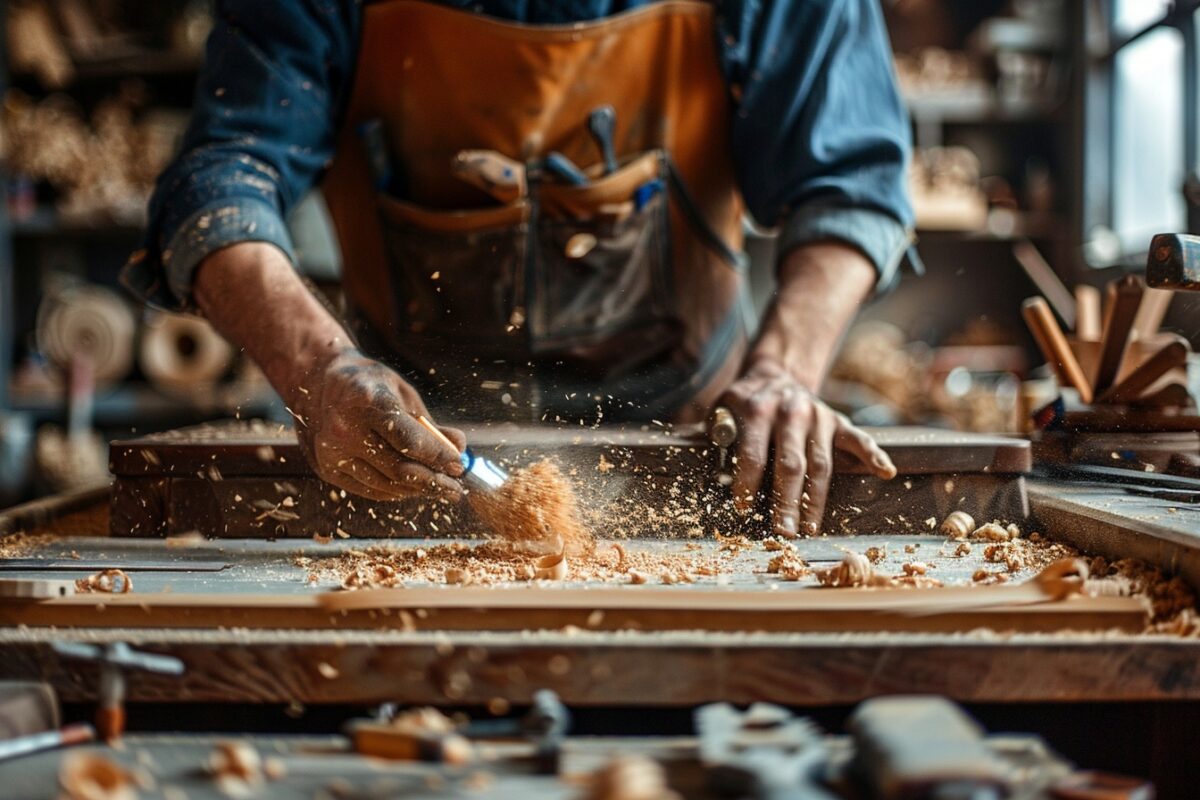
[(22, 545), (493, 562)]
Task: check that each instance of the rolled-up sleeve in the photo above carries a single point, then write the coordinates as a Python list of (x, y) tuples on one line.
[(262, 130), (821, 138)]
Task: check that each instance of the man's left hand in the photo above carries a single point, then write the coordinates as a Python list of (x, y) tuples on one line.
[(778, 415)]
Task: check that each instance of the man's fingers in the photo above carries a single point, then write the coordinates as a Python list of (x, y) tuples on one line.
[(859, 444), (414, 442), (455, 435), (352, 480), (820, 467), (755, 416), (791, 434)]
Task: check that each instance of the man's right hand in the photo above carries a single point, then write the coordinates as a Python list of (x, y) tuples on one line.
[(357, 423), (354, 416)]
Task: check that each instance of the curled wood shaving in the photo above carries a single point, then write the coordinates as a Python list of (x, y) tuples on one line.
[(789, 566), (915, 568), (551, 568), (876, 554), (106, 581), (853, 570), (1063, 578), (958, 525), (638, 578)]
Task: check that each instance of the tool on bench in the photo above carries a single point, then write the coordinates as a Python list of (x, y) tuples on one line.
[(722, 427), (923, 747), (602, 124), (113, 659), (78, 733), (564, 168), (1177, 488), (765, 752), (493, 172), (414, 738)]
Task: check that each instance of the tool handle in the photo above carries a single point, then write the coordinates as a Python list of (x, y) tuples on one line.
[(493, 172), (565, 169), (602, 124), (1054, 347), (722, 427), (1170, 357), (1174, 262), (1123, 297)]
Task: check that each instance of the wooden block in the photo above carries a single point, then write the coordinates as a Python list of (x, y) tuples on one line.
[(1088, 323), (1054, 346), (1122, 298)]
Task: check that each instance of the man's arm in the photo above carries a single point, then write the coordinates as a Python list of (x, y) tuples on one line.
[(356, 418), (821, 144), (821, 286), (262, 130)]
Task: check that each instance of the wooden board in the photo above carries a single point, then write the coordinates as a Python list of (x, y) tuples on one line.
[(220, 479), (259, 449)]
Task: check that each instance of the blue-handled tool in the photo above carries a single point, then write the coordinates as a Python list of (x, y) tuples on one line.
[(565, 169), (481, 474), (602, 124)]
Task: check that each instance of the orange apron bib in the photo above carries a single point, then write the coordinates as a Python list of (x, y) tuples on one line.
[(623, 293)]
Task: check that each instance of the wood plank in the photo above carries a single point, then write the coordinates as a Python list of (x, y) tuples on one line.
[(259, 450), (1116, 525), (629, 669), (965, 608)]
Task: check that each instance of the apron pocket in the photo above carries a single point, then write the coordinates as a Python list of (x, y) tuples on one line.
[(602, 277), (457, 273)]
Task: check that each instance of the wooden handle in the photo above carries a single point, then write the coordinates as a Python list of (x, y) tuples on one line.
[(722, 427), (1087, 313), (1054, 347), (1148, 320), (1173, 395), (429, 426), (1168, 358), (1122, 296)]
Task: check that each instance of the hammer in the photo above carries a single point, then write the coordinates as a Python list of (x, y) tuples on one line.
[(1174, 262)]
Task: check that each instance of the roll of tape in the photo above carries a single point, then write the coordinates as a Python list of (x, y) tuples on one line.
[(90, 321), (181, 352)]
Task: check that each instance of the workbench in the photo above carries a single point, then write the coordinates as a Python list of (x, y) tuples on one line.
[(1101, 672)]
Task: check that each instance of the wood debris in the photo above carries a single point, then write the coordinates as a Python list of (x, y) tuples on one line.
[(90, 776), (995, 532), (958, 525), (106, 581), (236, 768), (853, 570), (629, 777), (536, 504), (789, 566)]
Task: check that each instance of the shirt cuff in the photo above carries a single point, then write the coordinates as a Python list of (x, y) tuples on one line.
[(215, 227), (883, 240), (164, 280)]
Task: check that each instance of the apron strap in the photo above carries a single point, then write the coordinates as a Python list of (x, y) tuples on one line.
[(738, 261)]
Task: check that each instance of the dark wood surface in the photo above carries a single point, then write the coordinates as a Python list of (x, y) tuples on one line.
[(249, 449)]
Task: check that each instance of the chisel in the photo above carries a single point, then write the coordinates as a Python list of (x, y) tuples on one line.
[(565, 169)]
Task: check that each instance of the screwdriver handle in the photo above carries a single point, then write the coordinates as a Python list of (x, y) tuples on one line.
[(602, 124)]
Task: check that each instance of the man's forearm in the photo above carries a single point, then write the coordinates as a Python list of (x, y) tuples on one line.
[(821, 287), (253, 297)]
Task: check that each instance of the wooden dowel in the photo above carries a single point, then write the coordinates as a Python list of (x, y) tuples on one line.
[(429, 426), (1087, 313), (1122, 298), (1168, 358), (1151, 312), (1054, 347), (1046, 280)]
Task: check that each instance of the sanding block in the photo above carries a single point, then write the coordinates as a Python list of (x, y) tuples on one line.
[(918, 747)]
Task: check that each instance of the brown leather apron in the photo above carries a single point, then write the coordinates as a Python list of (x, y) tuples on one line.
[(623, 293)]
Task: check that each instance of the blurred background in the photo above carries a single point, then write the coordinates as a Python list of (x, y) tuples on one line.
[(1053, 138)]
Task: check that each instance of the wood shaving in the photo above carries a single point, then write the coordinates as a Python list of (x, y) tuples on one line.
[(789, 566), (551, 568), (958, 525), (915, 568), (876, 555), (106, 581), (853, 570), (236, 768), (89, 776), (963, 549), (993, 531), (629, 777)]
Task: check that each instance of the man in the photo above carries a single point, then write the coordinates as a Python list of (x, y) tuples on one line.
[(617, 295)]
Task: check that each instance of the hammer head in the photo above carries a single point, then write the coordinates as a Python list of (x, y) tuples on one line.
[(1174, 262)]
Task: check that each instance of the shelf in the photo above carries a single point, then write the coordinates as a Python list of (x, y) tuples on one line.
[(45, 223), (1002, 228), (142, 404), (977, 104), (136, 64)]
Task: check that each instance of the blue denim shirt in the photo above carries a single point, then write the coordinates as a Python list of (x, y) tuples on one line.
[(820, 136)]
